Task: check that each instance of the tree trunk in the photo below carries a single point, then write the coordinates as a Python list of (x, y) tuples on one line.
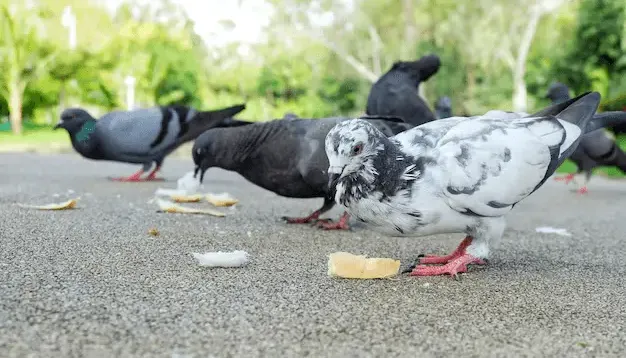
[(410, 29), (471, 82), (519, 85), (62, 95), (15, 109)]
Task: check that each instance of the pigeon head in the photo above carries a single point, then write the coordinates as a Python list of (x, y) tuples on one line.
[(443, 107), (73, 119), (202, 153), (420, 70), (558, 92), (351, 147)]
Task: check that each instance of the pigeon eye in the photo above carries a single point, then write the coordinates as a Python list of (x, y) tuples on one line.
[(356, 150)]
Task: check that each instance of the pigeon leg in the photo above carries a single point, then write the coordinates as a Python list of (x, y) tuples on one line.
[(342, 224), (566, 178), (452, 268), (152, 175), (328, 204), (134, 177), (460, 251)]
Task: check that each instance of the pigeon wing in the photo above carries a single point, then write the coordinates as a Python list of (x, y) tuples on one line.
[(138, 133), (488, 165)]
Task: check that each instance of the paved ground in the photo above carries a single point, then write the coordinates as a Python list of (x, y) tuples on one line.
[(92, 283)]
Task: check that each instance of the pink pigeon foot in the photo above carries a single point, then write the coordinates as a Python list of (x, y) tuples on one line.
[(452, 268), (152, 175), (434, 259), (133, 178), (582, 190), (566, 178), (303, 220), (342, 224)]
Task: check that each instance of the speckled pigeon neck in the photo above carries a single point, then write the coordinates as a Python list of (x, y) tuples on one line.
[(387, 171)]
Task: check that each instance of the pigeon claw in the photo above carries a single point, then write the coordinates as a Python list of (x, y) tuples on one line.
[(435, 260), (305, 220), (342, 224), (582, 190), (452, 268), (329, 225), (152, 175), (133, 178)]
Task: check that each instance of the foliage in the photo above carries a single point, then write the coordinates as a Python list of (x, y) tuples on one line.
[(596, 58), (318, 57)]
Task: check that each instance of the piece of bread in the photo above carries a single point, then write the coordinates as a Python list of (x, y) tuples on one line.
[(223, 199), (169, 207), (347, 265), (70, 204), (194, 198)]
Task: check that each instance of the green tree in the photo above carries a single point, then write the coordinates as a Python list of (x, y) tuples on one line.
[(23, 56), (597, 50)]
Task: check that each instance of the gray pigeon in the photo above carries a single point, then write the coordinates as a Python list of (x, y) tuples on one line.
[(396, 92), (141, 136), (596, 148), (453, 175), (290, 115), (443, 107), (285, 156)]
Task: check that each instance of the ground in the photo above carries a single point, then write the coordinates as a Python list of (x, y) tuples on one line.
[(92, 282)]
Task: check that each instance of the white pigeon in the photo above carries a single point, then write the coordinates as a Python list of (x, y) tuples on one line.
[(453, 175)]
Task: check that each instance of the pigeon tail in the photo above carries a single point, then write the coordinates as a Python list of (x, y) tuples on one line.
[(230, 122), (202, 121), (579, 113), (606, 119)]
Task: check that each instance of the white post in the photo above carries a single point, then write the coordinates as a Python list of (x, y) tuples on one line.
[(130, 92), (69, 21)]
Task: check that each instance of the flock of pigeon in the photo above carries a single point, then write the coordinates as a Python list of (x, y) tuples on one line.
[(400, 168)]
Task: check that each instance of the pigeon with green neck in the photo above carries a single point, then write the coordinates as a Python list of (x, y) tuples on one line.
[(141, 136)]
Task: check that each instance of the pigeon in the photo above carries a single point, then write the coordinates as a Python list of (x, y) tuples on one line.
[(290, 115), (443, 107), (285, 156), (453, 175), (141, 136), (396, 92), (596, 148)]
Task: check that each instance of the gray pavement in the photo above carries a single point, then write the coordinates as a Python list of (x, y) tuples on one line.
[(91, 282)]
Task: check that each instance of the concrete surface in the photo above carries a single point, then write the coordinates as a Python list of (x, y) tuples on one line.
[(91, 282)]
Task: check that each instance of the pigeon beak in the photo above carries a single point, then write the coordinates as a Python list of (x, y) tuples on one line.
[(332, 180), (195, 171), (57, 126), (202, 171)]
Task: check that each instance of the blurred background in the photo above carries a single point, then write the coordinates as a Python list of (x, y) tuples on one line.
[(314, 58)]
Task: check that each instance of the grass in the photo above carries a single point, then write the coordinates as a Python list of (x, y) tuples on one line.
[(37, 140), (611, 172)]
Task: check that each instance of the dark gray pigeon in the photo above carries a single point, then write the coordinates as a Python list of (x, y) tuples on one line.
[(443, 107), (141, 136), (596, 148), (285, 156), (396, 92), (453, 175)]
